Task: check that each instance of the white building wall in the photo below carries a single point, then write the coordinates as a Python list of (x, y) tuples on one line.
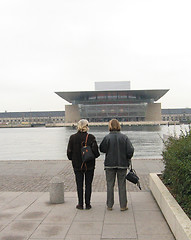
[(112, 85)]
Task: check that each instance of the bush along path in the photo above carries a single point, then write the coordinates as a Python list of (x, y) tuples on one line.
[(177, 170)]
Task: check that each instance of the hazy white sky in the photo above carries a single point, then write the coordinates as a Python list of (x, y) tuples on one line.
[(67, 45)]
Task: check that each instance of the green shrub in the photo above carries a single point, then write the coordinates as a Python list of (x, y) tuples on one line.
[(177, 171)]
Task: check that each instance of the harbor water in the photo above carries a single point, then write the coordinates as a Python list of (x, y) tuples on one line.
[(51, 143)]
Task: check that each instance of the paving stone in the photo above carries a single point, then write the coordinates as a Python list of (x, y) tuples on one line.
[(19, 229), (50, 231), (13, 236), (152, 228), (86, 228), (83, 237), (61, 215), (117, 216), (155, 237), (95, 214), (119, 231), (149, 216)]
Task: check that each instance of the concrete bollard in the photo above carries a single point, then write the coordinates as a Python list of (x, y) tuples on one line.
[(56, 190)]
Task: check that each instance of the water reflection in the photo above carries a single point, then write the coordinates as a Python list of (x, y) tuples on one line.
[(51, 143)]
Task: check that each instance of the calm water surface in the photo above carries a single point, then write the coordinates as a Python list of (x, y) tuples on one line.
[(51, 143)]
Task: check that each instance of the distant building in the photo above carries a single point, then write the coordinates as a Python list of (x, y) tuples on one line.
[(113, 100), (16, 118), (177, 114)]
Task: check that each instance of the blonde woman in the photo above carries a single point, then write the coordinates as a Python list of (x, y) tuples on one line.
[(118, 151), (75, 144)]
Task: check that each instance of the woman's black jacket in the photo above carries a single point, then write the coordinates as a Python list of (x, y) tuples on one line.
[(74, 149)]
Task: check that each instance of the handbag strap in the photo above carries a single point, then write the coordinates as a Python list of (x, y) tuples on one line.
[(131, 169), (86, 139), (84, 164), (131, 165)]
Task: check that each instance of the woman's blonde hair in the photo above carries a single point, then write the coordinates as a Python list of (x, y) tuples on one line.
[(82, 125), (114, 125)]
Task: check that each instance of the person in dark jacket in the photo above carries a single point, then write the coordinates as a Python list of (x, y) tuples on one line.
[(75, 144), (118, 151)]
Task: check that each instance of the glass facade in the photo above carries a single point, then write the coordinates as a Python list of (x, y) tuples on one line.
[(105, 112)]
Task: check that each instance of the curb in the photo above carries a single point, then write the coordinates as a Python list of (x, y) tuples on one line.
[(176, 218)]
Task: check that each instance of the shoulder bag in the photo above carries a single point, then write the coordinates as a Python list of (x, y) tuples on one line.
[(87, 154), (132, 176)]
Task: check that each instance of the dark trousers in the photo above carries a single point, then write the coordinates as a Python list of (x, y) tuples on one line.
[(88, 175)]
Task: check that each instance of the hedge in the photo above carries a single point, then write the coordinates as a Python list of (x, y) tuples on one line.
[(177, 170)]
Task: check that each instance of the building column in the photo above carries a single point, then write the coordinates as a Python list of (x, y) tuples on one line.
[(153, 112), (72, 113)]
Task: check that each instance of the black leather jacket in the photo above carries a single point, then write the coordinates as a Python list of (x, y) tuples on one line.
[(74, 149), (118, 150)]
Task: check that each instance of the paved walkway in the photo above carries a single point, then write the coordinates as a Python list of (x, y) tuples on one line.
[(34, 176), (26, 213)]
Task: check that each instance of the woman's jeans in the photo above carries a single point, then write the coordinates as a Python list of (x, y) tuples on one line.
[(110, 178), (88, 175)]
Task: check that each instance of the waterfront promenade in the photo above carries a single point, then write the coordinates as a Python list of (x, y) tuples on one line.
[(95, 124), (26, 212)]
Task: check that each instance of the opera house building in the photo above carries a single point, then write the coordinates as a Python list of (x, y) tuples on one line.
[(113, 100)]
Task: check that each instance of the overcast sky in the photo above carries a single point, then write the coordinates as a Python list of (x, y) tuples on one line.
[(67, 45)]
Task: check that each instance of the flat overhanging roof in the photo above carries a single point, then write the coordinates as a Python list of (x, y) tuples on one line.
[(85, 96)]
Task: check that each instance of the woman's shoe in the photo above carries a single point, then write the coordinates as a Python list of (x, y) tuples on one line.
[(109, 208), (88, 206), (79, 207), (124, 209)]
